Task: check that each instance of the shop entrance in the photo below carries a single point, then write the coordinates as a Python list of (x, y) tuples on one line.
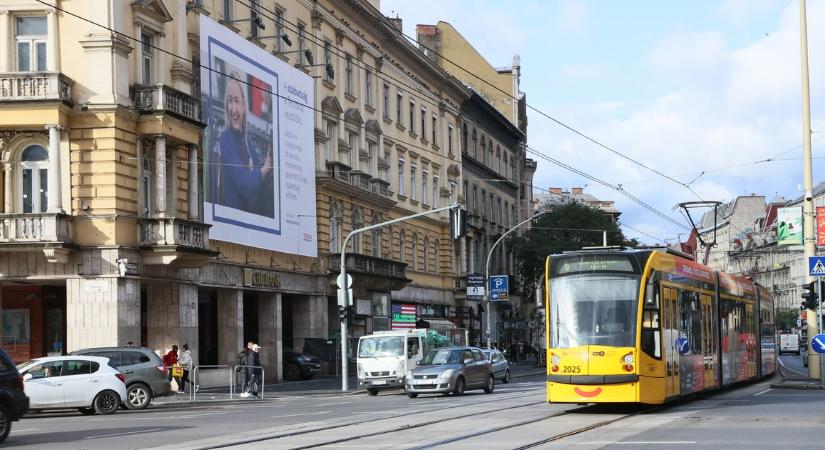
[(34, 321)]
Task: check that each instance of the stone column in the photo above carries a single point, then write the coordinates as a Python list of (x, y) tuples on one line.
[(5, 32), (102, 312), (52, 52), (309, 319), (54, 191), (270, 332), (8, 192), (160, 176), (188, 324), (141, 193), (163, 315), (194, 207), (230, 324)]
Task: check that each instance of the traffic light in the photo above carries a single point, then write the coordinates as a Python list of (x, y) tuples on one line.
[(809, 294), (458, 222)]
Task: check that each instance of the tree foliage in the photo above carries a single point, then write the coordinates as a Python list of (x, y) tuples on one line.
[(786, 319), (566, 227)]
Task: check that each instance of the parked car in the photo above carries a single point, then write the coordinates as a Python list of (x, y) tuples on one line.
[(146, 376), (13, 400), (299, 366), (501, 367), (451, 370), (87, 383)]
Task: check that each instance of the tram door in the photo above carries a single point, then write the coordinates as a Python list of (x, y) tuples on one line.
[(708, 346), (670, 333)]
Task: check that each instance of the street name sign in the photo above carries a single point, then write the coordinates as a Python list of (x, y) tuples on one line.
[(475, 286)]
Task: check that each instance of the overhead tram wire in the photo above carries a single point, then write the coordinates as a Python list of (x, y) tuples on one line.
[(170, 53)]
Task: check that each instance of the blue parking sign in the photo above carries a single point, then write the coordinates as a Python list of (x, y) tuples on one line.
[(499, 287)]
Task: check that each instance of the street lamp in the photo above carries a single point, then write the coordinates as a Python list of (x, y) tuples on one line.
[(487, 270)]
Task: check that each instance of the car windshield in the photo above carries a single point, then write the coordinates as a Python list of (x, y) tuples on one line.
[(443, 356), (26, 364), (374, 347), (486, 354), (593, 309)]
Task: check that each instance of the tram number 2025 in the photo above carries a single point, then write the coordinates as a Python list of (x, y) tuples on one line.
[(571, 369)]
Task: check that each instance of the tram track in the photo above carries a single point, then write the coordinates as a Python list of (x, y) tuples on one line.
[(309, 431)]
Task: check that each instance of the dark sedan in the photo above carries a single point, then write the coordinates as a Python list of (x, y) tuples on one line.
[(13, 400), (451, 370), (299, 366)]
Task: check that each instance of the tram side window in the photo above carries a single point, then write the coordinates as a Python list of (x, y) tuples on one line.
[(651, 337)]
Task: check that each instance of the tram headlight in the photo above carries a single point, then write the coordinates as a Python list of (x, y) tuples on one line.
[(555, 359), (627, 361)]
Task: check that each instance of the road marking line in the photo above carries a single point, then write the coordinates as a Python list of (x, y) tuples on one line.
[(792, 370), (636, 443), (335, 403), (763, 392), (123, 434), (23, 431), (301, 414)]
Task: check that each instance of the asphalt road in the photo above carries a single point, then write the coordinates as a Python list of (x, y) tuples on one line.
[(752, 416)]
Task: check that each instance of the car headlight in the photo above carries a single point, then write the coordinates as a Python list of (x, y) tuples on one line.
[(409, 374), (360, 371), (447, 373), (402, 367)]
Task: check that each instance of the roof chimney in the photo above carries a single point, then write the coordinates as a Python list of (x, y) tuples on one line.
[(427, 37), (397, 23)]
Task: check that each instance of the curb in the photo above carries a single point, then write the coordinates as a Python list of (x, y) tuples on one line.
[(807, 387)]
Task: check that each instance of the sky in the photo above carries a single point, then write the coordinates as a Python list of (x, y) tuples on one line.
[(702, 92)]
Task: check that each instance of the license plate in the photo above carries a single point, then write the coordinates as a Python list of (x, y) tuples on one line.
[(379, 382)]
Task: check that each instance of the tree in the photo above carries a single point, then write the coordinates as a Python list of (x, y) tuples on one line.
[(569, 226), (786, 319)]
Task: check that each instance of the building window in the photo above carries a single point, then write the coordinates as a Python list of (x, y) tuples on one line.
[(483, 147), (426, 254), (399, 109), (412, 117), (402, 250), (413, 189), (348, 75), (400, 176), (372, 165), (435, 192), (483, 203), (435, 129), (147, 185), (505, 220), (227, 9), (414, 252), (335, 220), (475, 200), (368, 88), (492, 206), (498, 211), (253, 14), (357, 222), (301, 43), (147, 57), (30, 36), (327, 60), (464, 137), (279, 29), (513, 216), (332, 141), (436, 256), (423, 123), (386, 101), (376, 235), (513, 168), (425, 188), (450, 140), (34, 179), (353, 148)]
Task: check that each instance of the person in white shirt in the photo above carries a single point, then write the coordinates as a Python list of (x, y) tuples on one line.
[(185, 361)]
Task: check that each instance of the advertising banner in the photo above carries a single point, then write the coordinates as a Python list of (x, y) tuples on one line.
[(820, 226), (259, 157), (789, 226)]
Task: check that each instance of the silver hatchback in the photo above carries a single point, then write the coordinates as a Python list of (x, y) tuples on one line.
[(146, 376), (450, 370)]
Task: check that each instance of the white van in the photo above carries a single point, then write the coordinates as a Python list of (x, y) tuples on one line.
[(788, 343)]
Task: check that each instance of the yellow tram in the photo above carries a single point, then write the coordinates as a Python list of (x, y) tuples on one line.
[(649, 326)]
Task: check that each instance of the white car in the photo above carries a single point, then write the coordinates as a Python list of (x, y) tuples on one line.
[(87, 383)]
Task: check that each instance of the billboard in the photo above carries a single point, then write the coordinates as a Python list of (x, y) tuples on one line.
[(259, 157), (789, 226), (820, 226)]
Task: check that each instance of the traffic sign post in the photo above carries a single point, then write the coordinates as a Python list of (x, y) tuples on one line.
[(818, 343), (475, 286), (499, 288)]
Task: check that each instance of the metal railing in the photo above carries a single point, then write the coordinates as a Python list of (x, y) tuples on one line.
[(260, 382), (193, 396), (150, 98), (27, 86)]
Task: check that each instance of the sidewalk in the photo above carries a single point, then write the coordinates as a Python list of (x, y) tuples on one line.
[(795, 381), (326, 386)]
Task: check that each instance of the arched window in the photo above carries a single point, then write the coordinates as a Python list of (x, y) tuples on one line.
[(415, 251), (437, 257), (426, 254), (483, 147), (464, 136), (335, 227), (357, 222), (401, 247), (34, 179), (376, 235)]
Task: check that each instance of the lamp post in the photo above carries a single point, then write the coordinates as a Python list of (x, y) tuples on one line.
[(343, 277), (487, 270)]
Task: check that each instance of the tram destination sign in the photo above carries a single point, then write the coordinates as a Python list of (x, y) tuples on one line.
[(600, 263)]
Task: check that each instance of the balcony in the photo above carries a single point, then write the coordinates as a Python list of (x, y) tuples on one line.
[(372, 272), (155, 98), (177, 242), (35, 86), (343, 179), (47, 232)]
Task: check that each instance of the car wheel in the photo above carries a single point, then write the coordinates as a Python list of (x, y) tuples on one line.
[(106, 402), (372, 391), (292, 372), (5, 423), (459, 387), (412, 394), (138, 396), (490, 385), (506, 378), (87, 411)]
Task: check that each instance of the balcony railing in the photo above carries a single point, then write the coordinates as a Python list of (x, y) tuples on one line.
[(28, 86), (149, 98), (172, 231), (369, 264), (35, 228)]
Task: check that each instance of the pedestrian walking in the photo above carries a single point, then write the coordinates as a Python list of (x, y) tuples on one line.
[(253, 361), (240, 362), (185, 361), (170, 359)]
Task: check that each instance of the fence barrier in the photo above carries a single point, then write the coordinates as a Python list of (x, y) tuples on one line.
[(193, 396)]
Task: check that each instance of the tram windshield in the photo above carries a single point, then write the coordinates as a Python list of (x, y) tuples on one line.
[(593, 309)]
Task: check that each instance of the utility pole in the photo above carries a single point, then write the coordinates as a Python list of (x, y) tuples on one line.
[(487, 271), (344, 288), (809, 238)]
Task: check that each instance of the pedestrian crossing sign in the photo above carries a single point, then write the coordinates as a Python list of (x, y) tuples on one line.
[(816, 266)]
